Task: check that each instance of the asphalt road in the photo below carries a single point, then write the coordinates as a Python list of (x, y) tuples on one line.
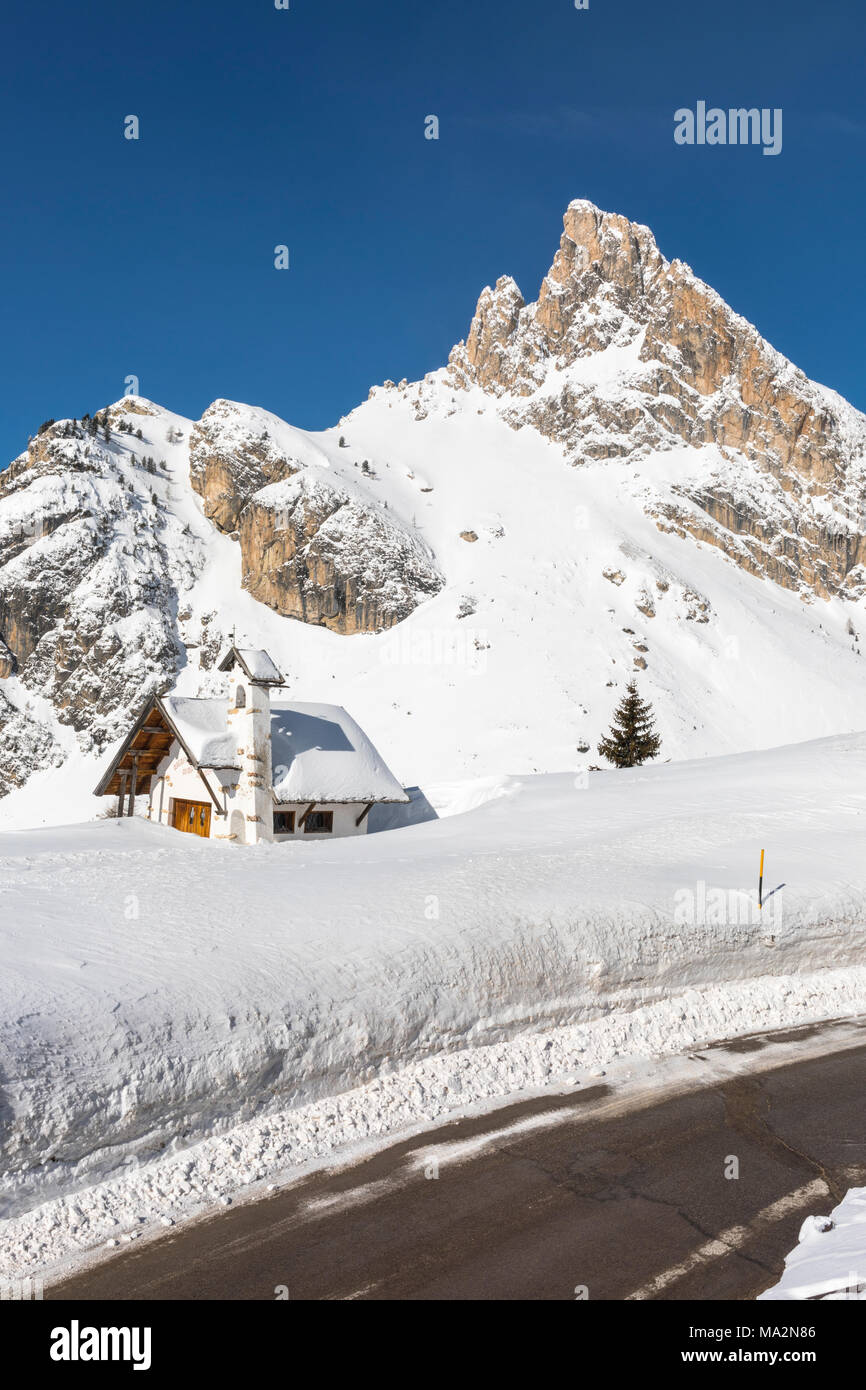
[(623, 1205)]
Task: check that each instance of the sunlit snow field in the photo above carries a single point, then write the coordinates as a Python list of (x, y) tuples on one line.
[(158, 990)]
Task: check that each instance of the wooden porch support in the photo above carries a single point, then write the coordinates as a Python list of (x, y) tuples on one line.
[(364, 814), (133, 786), (121, 796), (220, 810), (311, 807)]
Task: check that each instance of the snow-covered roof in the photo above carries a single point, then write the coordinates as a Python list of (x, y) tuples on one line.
[(203, 727), (257, 665), (319, 753)]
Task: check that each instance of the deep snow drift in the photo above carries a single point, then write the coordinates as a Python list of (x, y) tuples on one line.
[(157, 988)]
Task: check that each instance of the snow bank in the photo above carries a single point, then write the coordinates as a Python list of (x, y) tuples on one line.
[(157, 990), (261, 1154)]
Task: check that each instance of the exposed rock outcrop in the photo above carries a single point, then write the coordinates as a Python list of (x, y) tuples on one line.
[(229, 460), (625, 353), (89, 565), (27, 745), (314, 552)]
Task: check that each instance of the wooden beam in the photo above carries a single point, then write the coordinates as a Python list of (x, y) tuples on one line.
[(121, 795), (117, 765), (133, 786), (219, 809), (311, 807), (364, 814)]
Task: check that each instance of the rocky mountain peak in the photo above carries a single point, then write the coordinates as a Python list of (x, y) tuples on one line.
[(625, 353), (595, 294), (600, 250)]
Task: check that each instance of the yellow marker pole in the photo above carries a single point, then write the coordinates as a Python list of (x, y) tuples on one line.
[(761, 882)]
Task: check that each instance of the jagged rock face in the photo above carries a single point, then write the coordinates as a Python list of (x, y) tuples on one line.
[(228, 463), (87, 595), (689, 371), (26, 745), (493, 331), (311, 551), (794, 549)]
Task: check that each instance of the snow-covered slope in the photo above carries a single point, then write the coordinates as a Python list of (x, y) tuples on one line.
[(621, 479), (515, 666), (156, 988)]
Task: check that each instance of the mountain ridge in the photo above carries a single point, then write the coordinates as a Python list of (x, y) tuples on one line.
[(630, 462)]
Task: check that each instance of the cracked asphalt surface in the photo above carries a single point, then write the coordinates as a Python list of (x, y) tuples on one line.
[(624, 1203)]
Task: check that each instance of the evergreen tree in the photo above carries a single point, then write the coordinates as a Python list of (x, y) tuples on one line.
[(632, 739)]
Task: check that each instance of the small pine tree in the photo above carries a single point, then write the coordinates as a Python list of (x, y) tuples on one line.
[(632, 739)]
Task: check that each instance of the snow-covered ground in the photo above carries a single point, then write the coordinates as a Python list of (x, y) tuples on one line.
[(829, 1263), (277, 1003)]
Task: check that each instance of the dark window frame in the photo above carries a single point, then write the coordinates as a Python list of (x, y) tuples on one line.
[(284, 815), (317, 829)]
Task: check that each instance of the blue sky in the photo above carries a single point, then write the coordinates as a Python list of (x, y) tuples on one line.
[(306, 127)]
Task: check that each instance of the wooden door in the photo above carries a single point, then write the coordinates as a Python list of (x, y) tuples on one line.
[(193, 817)]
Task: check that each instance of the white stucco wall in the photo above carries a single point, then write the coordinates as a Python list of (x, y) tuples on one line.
[(177, 779), (250, 723), (344, 820)]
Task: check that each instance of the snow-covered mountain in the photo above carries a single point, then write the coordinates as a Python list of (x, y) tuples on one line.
[(621, 477)]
